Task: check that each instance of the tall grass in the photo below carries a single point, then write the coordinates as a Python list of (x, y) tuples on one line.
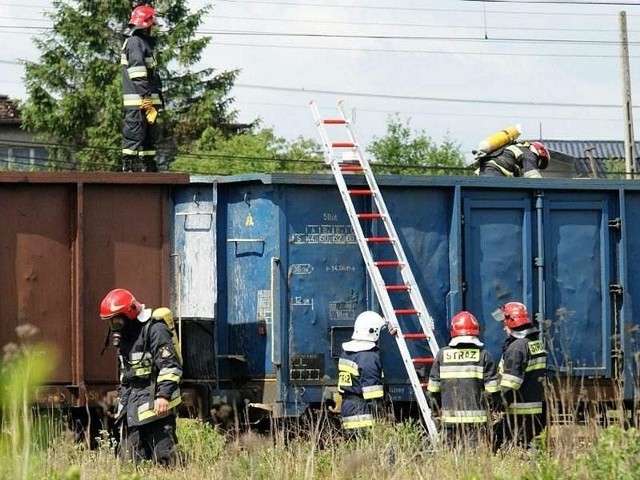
[(389, 452), (39, 447), (25, 365)]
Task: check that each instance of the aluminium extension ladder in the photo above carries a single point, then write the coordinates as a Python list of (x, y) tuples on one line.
[(357, 163)]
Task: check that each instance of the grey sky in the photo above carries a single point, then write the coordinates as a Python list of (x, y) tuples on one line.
[(554, 68)]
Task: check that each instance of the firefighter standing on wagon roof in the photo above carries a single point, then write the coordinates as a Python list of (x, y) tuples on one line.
[(463, 385), (150, 373), (523, 373), (142, 96)]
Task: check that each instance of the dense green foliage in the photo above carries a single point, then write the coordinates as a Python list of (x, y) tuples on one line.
[(403, 151), (75, 90), (251, 151), (615, 168)]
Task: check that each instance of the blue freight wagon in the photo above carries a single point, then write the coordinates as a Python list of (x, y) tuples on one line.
[(268, 278)]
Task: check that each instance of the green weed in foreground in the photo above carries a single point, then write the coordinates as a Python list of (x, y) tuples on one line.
[(616, 455), (38, 447), (24, 366), (391, 451)]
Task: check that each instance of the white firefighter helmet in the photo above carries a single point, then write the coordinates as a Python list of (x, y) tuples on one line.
[(366, 331), (368, 326)]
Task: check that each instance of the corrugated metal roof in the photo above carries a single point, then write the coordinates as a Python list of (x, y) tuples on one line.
[(602, 149)]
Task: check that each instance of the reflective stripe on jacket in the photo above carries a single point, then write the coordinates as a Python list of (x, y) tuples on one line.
[(149, 368), (360, 383), (138, 71), (523, 371), (461, 377), (360, 373), (512, 161), (357, 421)]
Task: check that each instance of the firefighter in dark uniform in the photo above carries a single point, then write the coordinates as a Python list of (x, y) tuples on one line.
[(516, 160), (463, 385), (150, 373), (523, 374), (142, 96), (360, 375)]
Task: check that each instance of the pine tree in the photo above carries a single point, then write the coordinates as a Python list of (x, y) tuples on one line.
[(74, 90)]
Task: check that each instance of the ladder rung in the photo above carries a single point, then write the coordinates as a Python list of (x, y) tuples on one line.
[(406, 311), (343, 145), (415, 336), (334, 121), (369, 216), (423, 360), (361, 192), (351, 168), (397, 288), (378, 239), (387, 263)]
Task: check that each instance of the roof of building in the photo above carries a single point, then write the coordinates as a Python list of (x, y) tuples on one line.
[(9, 112), (579, 150), (602, 149)]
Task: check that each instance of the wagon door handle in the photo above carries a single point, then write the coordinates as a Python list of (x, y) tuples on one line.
[(275, 312)]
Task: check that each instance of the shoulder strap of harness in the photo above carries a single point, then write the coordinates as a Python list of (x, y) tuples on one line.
[(154, 374), (504, 164), (517, 152)]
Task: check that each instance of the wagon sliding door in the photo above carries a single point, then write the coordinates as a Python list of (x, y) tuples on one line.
[(35, 268), (497, 257), (567, 282), (577, 278)]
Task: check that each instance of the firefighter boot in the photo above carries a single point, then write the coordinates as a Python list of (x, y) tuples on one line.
[(150, 164), (129, 163)]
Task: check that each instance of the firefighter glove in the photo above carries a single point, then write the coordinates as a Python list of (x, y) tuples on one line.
[(149, 110)]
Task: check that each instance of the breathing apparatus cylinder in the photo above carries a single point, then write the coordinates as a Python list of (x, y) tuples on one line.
[(165, 315), (498, 140)]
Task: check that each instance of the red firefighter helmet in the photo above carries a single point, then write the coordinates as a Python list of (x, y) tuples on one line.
[(515, 315), (464, 323), (120, 302), (544, 157), (143, 16)]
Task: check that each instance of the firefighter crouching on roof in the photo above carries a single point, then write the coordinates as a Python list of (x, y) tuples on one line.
[(523, 374), (516, 160), (150, 372), (142, 96), (360, 375), (463, 385)]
